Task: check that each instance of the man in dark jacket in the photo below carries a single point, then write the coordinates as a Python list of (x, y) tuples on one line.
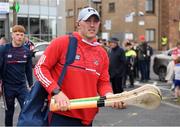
[(117, 65), (144, 56)]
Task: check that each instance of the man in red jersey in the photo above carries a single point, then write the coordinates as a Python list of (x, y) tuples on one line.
[(87, 77)]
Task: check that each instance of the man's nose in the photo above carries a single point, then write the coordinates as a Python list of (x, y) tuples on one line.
[(92, 23)]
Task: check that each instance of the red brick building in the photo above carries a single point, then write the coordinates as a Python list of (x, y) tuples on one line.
[(170, 20), (128, 19)]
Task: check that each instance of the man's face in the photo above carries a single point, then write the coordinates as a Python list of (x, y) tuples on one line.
[(17, 38), (112, 44), (89, 28)]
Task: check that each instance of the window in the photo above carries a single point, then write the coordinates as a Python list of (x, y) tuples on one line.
[(52, 26), (52, 3), (150, 35), (149, 7), (111, 7), (23, 1), (70, 12), (2, 28), (34, 25), (44, 2), (34, 2), (129, 36), (44, 26), (23, 21)]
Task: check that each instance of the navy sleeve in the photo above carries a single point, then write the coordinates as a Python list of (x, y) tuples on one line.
[(123, 58), (29, 74), (2, 50), (151, 51)]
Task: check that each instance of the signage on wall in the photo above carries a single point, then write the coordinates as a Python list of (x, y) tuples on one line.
[(129, 18), (105, 35), (4, 7), (107, 24), (129, 36), (141, 23), (16, 7)]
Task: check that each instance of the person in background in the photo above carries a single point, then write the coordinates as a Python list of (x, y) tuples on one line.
[(149, 53), (164, 42), (87, 77), (29, 44), (16, 69), (177, 78), (104, 44), (136, 67), (117, 65), (3, 41), (144, 56), (130, 61)]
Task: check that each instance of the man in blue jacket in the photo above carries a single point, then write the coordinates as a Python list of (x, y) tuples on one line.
[(15, 70)]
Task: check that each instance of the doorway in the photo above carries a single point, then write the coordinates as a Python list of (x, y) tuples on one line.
[(2, 28)]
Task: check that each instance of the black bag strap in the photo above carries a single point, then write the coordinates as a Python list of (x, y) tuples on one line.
[(70, 56)]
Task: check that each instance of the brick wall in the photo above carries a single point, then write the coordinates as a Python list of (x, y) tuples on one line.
[(174, 18)]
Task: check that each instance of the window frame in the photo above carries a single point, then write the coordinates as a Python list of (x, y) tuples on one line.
[(150, 6), (111, 8), (150, 35)]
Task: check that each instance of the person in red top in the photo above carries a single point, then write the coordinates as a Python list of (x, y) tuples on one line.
[(176, 51), (170, 68), (87, 77)]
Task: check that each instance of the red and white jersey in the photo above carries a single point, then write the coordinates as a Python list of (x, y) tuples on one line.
[(175, 53), (87, 77)]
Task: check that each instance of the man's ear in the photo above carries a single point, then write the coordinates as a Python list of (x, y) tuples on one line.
[(78, 24)]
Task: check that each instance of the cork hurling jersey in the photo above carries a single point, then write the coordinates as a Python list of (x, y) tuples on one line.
[(87, 77), (18, 66)]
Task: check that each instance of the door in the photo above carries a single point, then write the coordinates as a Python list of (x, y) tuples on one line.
[(2, 28)]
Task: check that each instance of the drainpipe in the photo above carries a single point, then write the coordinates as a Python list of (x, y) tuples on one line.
[(159, 25), (14, 14), (74, 15)]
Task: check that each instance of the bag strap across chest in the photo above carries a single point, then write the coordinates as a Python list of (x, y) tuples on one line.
[(70, 56)]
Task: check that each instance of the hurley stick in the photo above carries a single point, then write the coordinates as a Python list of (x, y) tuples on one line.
[(146, 96), (145, 87)]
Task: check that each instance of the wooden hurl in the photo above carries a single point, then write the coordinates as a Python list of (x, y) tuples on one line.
[(146, 96)]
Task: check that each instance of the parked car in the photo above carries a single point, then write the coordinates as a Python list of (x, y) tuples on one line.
[(38, 51), (160, 63)]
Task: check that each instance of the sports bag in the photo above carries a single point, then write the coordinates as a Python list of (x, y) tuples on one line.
[(35, 110)]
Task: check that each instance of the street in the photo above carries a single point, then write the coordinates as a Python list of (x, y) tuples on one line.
[(166, 114)]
